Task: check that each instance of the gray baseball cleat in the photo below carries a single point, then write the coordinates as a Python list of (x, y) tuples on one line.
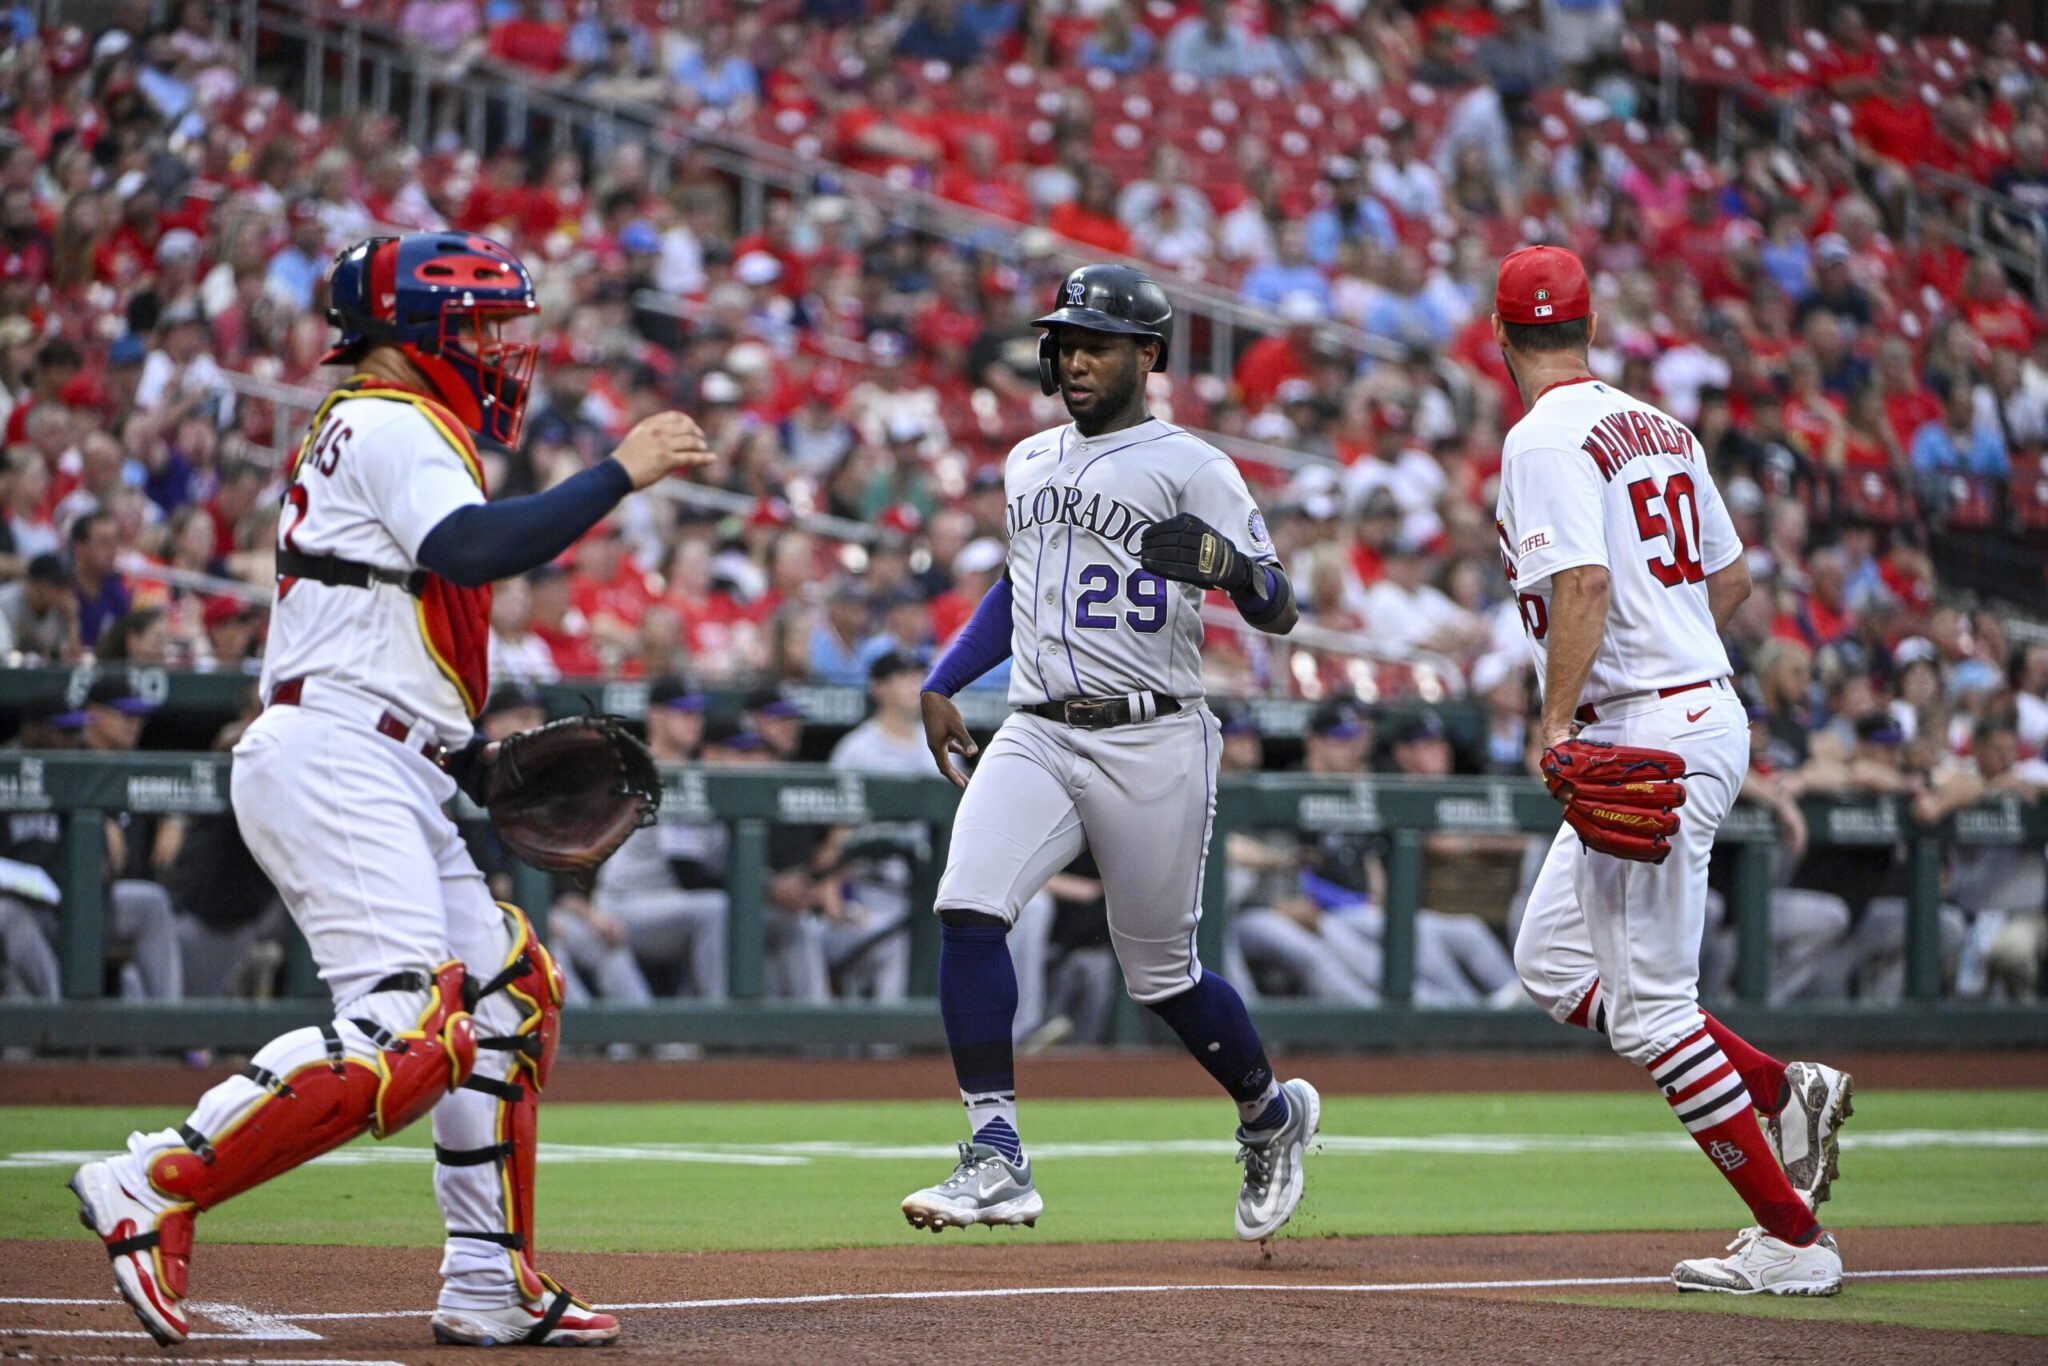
[(986, 1188), (1806, 1133), (1273, 1164)]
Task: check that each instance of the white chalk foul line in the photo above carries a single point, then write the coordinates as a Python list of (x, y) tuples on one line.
[(1255, 1287), (1327, 1145), (244, 1324)]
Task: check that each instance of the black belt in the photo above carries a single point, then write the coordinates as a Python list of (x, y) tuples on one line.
[(336, 572), (1100, 713)]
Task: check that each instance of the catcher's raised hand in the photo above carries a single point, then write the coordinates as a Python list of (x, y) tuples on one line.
[(661, 445), (1187, 549)]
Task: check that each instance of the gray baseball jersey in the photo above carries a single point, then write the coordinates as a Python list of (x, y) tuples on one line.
[(1089, 621)]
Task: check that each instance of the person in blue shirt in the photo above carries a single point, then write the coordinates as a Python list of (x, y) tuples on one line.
[(1117, 45), (837, 634), (1351, 215), (1960, 441), (302, 261), (940, 32), (716, 73), (1287, 272), (1211, 44)]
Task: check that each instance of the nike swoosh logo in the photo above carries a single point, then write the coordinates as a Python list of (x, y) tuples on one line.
[(1042, 450), (1692, 716), (991, 1186)]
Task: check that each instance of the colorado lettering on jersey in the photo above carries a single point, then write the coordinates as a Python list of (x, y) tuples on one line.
[(1061, 504), (1628, 435)]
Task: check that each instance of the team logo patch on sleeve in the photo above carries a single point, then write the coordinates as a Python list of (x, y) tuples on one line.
[(1255, 527)]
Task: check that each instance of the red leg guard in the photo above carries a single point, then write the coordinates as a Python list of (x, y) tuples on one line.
[(313, 1090)]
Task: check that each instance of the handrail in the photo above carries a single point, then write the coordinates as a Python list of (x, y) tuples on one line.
[(210, 584)]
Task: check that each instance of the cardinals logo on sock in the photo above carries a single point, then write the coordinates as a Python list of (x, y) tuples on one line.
[(1726, 1155)]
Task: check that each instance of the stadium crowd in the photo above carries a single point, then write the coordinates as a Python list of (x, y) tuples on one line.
[(1860, 379)]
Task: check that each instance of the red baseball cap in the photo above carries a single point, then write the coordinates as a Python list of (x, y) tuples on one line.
[(1542, 285)]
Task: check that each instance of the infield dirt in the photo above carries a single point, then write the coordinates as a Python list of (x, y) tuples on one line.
[(1281, 1320)]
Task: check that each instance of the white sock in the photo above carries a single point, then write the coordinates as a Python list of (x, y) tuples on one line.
[(992, 1119)]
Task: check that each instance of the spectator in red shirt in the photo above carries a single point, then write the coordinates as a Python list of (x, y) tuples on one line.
[(1871, 442), (1966, 143), (1694, 243), (1907, 401), (557, 622), (1995, 312), (501, 197), (1272, 360), (1823, 616), (241, 482), (975, 570), (982, 182), (889, 127), (533, 41), (1892, 124), (712, 618), (1933, 259), (607, 587), (1090, 216), (1851, 60)]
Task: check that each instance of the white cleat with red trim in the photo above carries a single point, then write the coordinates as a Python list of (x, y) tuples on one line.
[(565, 1322), (149, 1241)]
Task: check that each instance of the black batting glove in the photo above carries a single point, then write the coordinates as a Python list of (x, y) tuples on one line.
[(1187, 549)]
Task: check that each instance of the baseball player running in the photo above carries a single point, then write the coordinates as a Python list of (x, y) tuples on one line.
[(1626, 566), (1118, 523), (444, 1000)]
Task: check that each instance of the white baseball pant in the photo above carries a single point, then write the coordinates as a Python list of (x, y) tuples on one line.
[(1635, 928)]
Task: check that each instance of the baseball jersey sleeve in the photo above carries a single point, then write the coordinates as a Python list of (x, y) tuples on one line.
[(1559, 517), (1720, 545), (1217, 494), (413, 476)]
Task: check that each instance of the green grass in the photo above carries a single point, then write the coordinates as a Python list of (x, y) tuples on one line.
[(1993, 1306), (851, 1201)]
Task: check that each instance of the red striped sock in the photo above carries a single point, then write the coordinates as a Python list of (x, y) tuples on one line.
[(1763, 1074), (1712, 1101)]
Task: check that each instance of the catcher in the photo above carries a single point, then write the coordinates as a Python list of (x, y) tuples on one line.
[(377, 663), (1625, 566)]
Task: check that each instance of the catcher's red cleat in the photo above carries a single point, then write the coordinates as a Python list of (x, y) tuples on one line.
[(565, 1321), (150, 1245)]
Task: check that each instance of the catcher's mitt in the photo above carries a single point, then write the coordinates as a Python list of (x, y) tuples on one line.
[(1622, 799), (564, 796)]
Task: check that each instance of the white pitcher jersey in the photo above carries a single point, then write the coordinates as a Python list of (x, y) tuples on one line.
[(1593, 476), (379, 469), (1089, 621)]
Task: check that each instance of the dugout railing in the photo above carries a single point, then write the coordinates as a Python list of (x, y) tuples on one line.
[(83, 788)]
